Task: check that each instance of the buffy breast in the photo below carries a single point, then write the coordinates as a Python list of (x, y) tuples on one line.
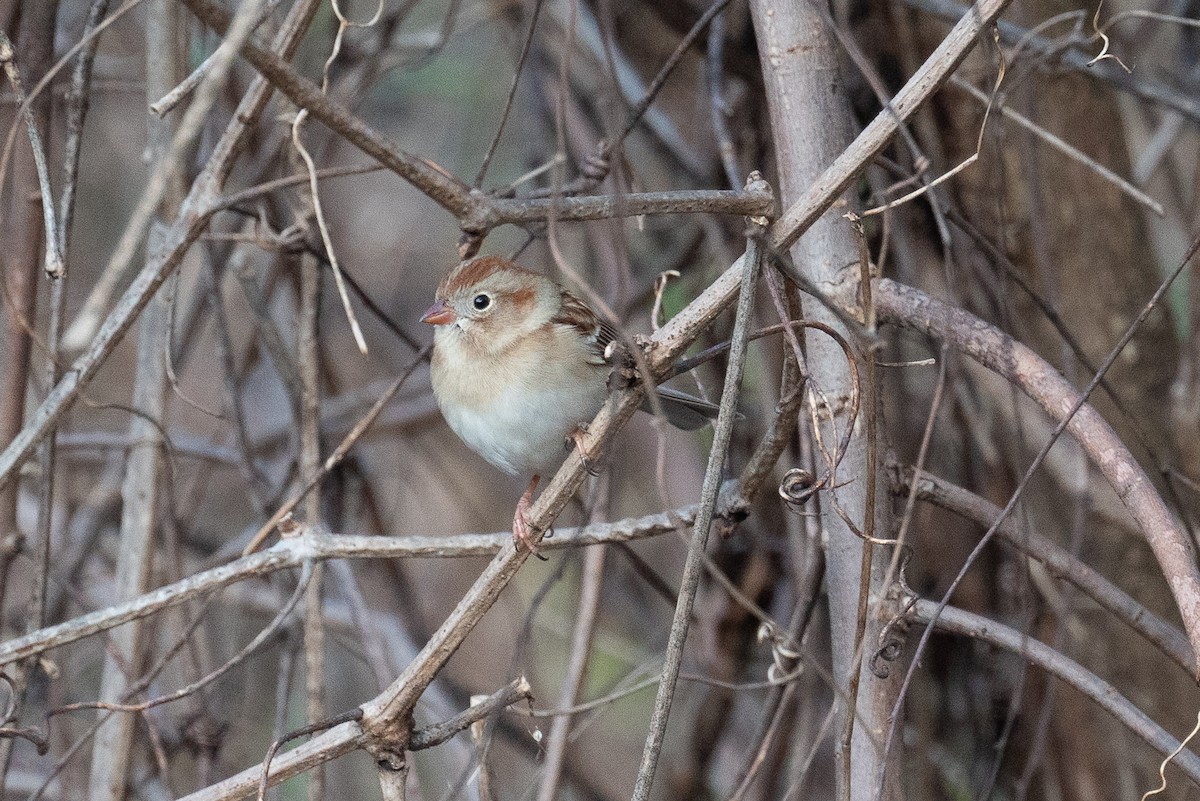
[(517, 412)]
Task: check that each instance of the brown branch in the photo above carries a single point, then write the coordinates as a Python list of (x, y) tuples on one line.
[(1031, 374), (1065, 669), (751, 202), (1058, 561), (309, 458)]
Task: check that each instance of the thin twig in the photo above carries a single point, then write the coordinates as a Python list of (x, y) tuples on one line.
[(308, 359), (339, 453), (440, 187), (512, 94), (266, 633), (165, 104), (516, 690), (581, 646), (690, 581), (53, 263)]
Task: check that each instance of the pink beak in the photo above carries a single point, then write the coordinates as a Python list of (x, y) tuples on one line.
[(439, 314)]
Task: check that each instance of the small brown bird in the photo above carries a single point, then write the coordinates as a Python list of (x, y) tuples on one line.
[(518, 369)]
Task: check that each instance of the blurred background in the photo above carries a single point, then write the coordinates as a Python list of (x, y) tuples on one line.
[(434, 76)]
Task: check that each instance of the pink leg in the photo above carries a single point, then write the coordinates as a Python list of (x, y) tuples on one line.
[(576, 438), (520, 528)]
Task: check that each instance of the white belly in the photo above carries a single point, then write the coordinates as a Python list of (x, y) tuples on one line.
[(516, 413), (526, 434)]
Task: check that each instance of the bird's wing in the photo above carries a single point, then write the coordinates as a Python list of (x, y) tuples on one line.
[(576, 314)]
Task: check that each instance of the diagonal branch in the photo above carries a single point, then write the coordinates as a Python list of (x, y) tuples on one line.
[(1030, 373), (1063, 668), (1058, 561)]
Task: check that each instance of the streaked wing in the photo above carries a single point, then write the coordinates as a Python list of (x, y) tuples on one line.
[(575, 313)]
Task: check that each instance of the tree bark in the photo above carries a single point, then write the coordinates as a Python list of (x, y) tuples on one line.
[(811, 125)]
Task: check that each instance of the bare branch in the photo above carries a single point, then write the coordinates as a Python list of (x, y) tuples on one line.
[(193, 217), (1042, 383), (1166, 637), (690, 583), (1065, 669), (292, 552)]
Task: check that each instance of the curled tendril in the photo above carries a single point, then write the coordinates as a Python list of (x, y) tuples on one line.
[(784, 654), (10, 715), (893, 635), (799, 486), (890, 652), (10, 706)]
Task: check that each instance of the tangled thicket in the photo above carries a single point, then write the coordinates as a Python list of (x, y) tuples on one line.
[(953, 485)]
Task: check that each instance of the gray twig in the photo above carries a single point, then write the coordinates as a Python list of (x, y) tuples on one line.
[(54, 261), (293, 551), (693, 566)]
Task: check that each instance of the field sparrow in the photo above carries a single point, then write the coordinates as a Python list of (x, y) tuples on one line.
[(518, 370)]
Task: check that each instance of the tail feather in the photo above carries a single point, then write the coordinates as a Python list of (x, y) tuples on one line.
[(682, 410)]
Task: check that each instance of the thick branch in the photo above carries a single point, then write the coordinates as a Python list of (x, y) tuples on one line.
[(1035, 377), (750, 202)]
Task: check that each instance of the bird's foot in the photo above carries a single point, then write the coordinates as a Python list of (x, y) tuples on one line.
[(522, 531), (575, 438)]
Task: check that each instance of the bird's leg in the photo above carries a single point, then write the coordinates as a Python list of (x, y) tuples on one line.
[(522, 535), (576, 438)]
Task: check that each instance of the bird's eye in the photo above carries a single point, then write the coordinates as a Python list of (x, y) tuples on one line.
[(481, 302)]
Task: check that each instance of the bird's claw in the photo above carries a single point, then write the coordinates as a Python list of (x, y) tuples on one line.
[(522, 531), (575, 438)]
